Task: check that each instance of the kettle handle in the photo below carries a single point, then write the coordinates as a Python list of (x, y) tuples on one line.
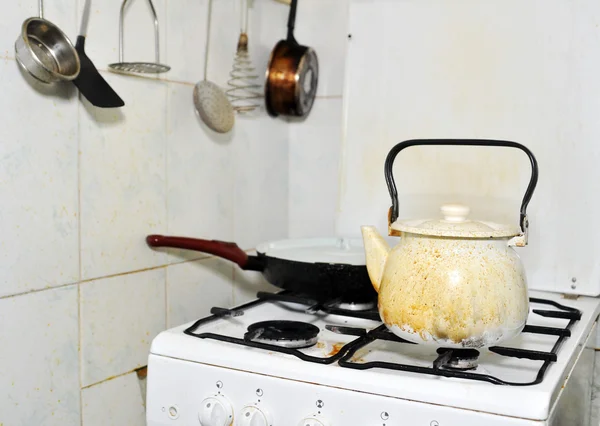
[(391, 184)]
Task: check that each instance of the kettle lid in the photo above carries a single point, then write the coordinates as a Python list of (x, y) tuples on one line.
[(455, 224)]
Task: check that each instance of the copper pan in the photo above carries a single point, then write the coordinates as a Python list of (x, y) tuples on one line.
[(292, 75)]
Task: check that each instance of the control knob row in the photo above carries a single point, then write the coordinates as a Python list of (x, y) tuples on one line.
[(218, 411)]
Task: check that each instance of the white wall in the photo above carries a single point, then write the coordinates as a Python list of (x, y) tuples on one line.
[(522, 71), (316, 142), (81, 296)]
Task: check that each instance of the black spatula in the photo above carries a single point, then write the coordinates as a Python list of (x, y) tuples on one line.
[(89, 81)]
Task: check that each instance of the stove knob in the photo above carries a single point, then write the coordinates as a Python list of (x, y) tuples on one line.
[(216, 411), (313, 421), (254, 416)]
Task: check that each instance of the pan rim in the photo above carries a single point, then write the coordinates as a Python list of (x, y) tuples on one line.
[(298, 250)]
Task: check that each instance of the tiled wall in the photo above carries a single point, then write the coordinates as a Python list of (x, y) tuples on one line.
[(81, 296)]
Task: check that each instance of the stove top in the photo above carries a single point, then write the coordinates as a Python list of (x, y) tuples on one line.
[(347, 346)]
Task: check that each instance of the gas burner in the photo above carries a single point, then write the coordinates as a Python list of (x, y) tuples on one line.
[(285, 334), (457, 359), (357, 306)]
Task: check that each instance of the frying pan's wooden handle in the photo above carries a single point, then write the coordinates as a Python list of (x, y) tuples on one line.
[(229, 251)]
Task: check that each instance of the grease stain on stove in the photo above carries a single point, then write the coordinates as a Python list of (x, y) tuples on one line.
[(336, 348)]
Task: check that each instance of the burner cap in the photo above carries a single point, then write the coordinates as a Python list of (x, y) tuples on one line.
[(287, 334), (458, 359)]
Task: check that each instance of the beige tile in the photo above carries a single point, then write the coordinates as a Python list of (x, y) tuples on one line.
[(117, 402), (195, 287), (200, 176), (123, 184), (39, 381), (38, 183), (119, 318)]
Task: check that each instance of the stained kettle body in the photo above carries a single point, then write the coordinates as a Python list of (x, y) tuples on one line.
[(450, 282)]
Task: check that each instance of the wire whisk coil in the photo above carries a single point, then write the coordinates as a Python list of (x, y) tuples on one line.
[(244, 89)]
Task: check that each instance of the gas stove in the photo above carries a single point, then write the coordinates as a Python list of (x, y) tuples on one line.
[(287, 360)]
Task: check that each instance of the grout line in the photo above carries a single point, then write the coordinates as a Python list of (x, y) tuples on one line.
[(121, 274), (166, 298), (108, 379), (166, 165), (39, 290), (79, 260)]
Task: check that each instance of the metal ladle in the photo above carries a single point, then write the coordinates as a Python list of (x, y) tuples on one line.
[(45, 52), (139, 67)]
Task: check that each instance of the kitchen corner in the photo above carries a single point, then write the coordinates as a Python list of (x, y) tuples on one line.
[(82, 296), (102, 327)]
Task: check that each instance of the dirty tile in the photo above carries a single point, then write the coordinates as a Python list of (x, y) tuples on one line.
[(123, 186), (595, 399), (38, 183), (200, 175), (117, 402), (119, 318), (195, 287), (39, 334)]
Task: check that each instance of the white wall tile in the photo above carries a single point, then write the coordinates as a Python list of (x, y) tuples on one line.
[(595, 398), (261, 181), (119, 318), (117, 402), (102, 41), (123, 188), (315, 148), (39, 380), (186, 39), (200, 175), (195, 287), (38, 183)]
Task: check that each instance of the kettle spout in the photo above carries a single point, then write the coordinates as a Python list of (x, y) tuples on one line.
[(376, 253)]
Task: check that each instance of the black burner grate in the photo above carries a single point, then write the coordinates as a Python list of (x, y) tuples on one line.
[(365, 337)]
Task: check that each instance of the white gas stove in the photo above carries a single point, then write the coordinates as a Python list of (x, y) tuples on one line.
[(283, 360)]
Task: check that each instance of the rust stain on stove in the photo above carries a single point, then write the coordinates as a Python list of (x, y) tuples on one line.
[(336, 348)]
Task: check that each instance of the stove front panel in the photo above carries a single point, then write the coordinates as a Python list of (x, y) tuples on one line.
[(182, 393)]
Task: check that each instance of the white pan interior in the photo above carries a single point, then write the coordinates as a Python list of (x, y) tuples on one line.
[(349, 251)]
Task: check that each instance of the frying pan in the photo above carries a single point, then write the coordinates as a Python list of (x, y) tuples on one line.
[(321, 268), (292, 75)]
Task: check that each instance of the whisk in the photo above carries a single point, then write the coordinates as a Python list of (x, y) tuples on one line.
[(243, 89)]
